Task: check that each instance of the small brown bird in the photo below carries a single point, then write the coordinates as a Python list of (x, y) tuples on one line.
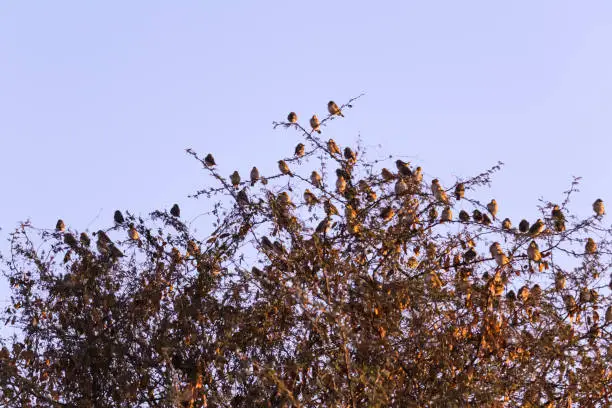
[(486, 220), (118, 217), (84, 238), (292, 117), (284, 168), (506, 224), (401, 187), (242, 198), (266, 244), (310, 198), (523, 293), (501, 259), (418, 175), (299, 150), (433, 214), (323, 226), (558, 219), (598, 207), (133, 234), (477, 215), (333, 109), (209, 160), (254, 176), (284, 198), (459, 191), (330, 209), (175, 211), (533, 252), (350, 213), (447, 215), (333, 147), (537, 228), (403, 168), (340, 185), (511, 296), (590, 247), (464, 216), (492, 208), (524, 226), (438, 191), (470, 255), (387, 175), (387, 213), (315, 179), (60, 226), (235, 179), (350, 155), (559, 281), (315, 124), (70, 240), (495, 248), (192, 248)]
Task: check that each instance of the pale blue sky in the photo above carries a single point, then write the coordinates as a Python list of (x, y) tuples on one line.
[(99, 99)]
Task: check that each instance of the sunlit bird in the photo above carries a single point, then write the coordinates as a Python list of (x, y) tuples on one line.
[(292, 117), (284, 168), (598, 207), (235, 179), (315, 179), (492, 208), (333, 109), (315, 124), (333, 147), (60, 226), (254, 176)]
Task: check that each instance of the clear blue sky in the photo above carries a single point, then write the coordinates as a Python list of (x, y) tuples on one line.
[(99, 99)]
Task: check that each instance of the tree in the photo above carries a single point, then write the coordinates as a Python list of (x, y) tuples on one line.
[(333, 283)]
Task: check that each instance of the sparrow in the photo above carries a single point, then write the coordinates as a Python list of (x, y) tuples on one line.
[(590, 247), (447, 215), (70, 240), (477, 215), (340, 185), (470, 255), (330, 209), (433, 214), (133, 234), (403, 168), (315, 179), (278, 247), (292, 117), (60, 226), (118, 217), (192, 248), (523, 293), (175, 211), (350, 213), (299, 150), (333, 109), (254, 176), (333, 147), (533, 252), (387, 175), (315, 124), (486, 220), (559, 281), (284, 168), (235, 179), (464, 216), (537, 228), (524, 226), (310, 198), (459, 191), (501, 259), (84, 238), (495, 248), (387, 213), (284, 198), (323, 226), (418, 175), (266, 244), (438, 192), (598, 207), (350, 155), (102, 243), (506, 224), (558, 219), (401, 187), (242, 198), (209, 160), (492, 208)]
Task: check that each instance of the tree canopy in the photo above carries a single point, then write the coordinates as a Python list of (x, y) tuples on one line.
[(335, 282)]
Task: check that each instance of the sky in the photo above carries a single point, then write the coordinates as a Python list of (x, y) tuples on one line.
[(98, 100)]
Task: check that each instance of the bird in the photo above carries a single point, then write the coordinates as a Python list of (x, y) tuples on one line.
[(133, 234), (350, 213), (438, 192), (333, 109), (192, 248), (492, 208), (329, 208), (590, 247), (494, 249), (386, 174), (235, 179), (323, 226), (506, 224), (447, 215), (209, 160), (418, 175), (333, 147), (315, 124), (432, 279), (118, 217), (292, 117), (523, 293), (284, 198), (315, 179), (524, 226), (267, 244), (70, 240), (175, 211), (278, 247), (533, 252), (433, 214), (477, 215), (242, 198), (598, 207), (340, 185), (284, 168), (387, 213), (254, 176), (84, 238), (501, 259), (310, 198), (558, 219), (609, 315), (400, 187), (459, 191), (511, 296), (102, 243), (403, 168), (486, 220), (350, 155), (537, 228), (559, 281), (299, 150), (60, 226), (470, 255), (464, 216)]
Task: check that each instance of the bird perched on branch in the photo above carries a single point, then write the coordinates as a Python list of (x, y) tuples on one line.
[(209, 160), (537, 228), (459, 191), (598, 207), (315, 179), (310, 198), (284, 168), (315, 124), (524, 226), (533, 252), (292, 117), (235, 179), (333, 147), (350, 155), (403, 168), (133, 234), (340, 185), (299, 150), (333, 109), (118, 217), (242, 198), (558, 219), (60, 226), (438, 191), (175, 211), (254, 176), (492, 208)]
